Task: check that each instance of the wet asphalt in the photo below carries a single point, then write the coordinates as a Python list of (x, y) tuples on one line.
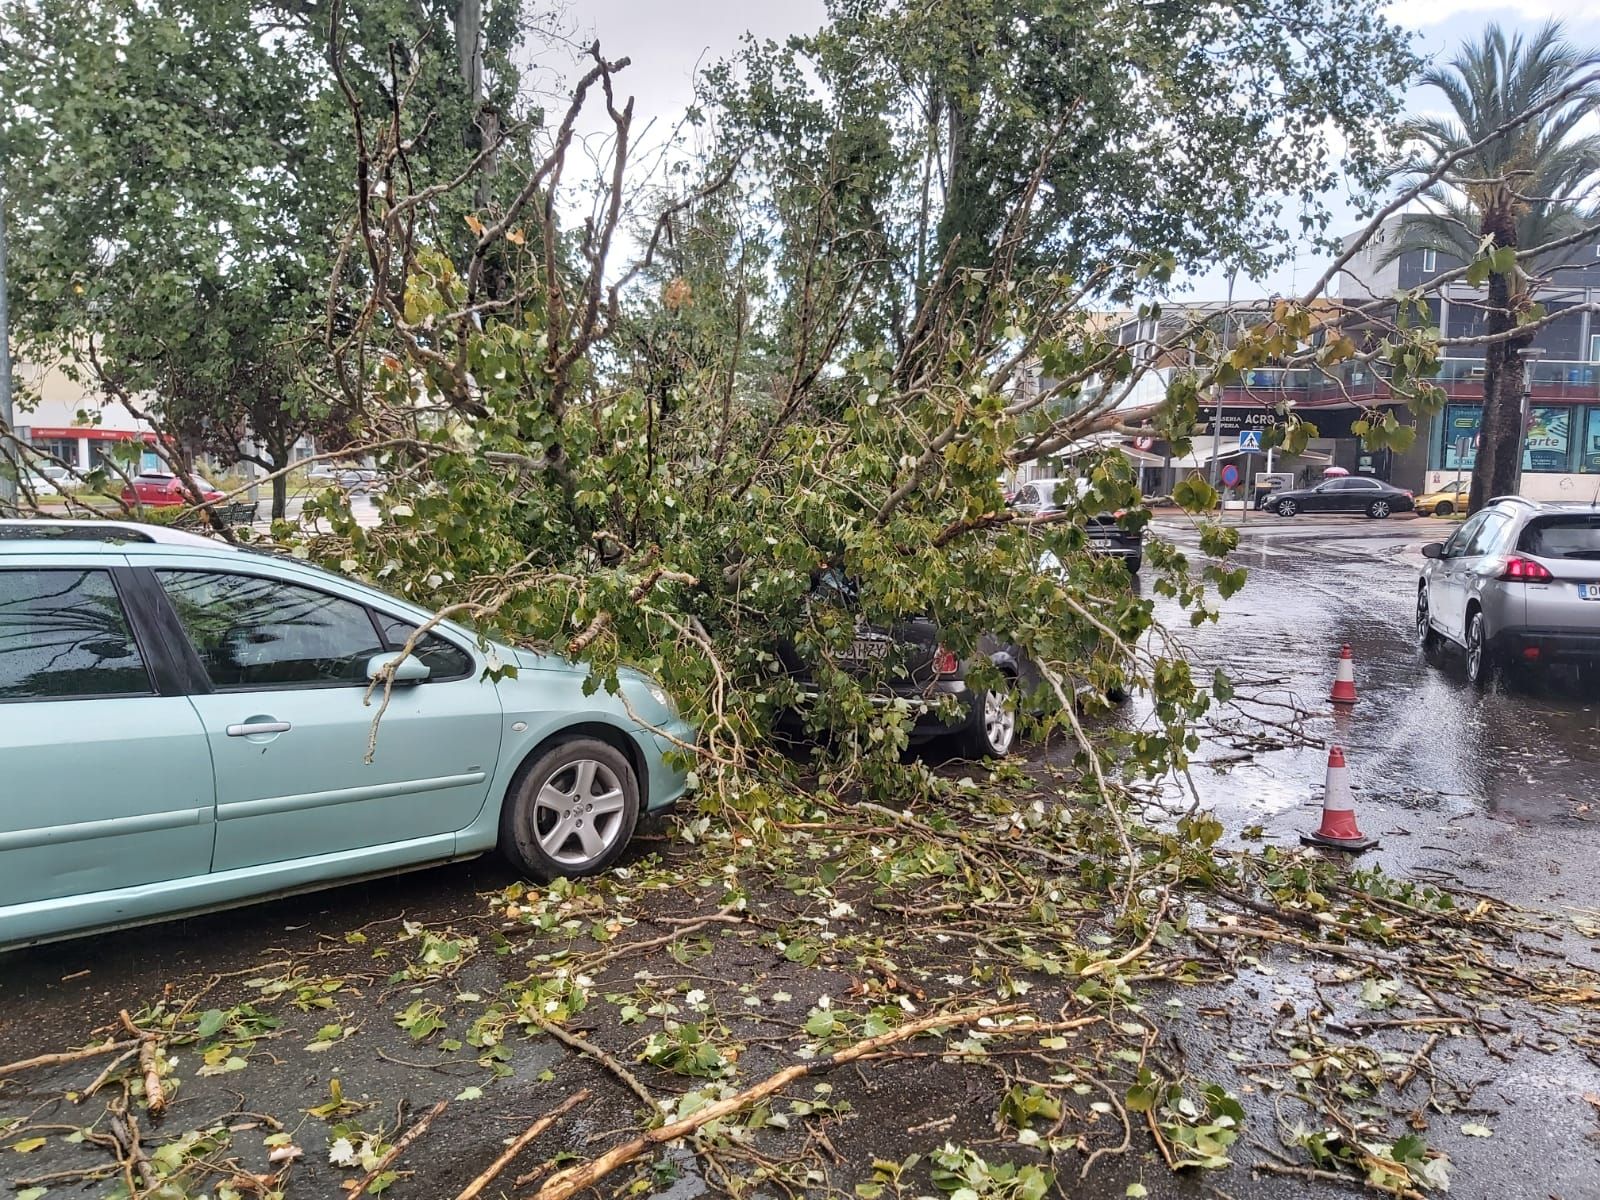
[(1492, 791), (1497, 790)]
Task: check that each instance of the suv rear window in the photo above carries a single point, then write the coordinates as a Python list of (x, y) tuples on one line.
[(1575, 535)]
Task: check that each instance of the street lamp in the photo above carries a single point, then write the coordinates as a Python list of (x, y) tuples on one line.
[(1529, 356), (1216, 426)]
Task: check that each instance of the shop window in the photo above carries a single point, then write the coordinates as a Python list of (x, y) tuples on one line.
[(1461, 423), (1549, 444), (1589, 460), (66, 449)]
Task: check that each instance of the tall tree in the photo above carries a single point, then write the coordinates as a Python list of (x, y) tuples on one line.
[(1513, 184), (183, 190)]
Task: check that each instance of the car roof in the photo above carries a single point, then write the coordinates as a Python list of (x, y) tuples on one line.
[(19, 536)]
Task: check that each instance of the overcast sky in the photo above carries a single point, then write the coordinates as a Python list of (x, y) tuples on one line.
[(668, 42)]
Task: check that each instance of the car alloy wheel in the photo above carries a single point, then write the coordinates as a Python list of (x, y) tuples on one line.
[(1378, 510), (1287, 508), (1443, 509), (577, 814), (1477, 652), (571, 811), (994, 724)]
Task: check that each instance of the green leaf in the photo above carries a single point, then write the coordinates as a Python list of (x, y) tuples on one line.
[(28, 1145), (211, 1021)]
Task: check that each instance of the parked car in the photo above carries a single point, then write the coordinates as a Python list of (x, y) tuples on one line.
[(157, 489), (39, 485), (921, 675), (1106, 533), (926, 678), (352, 479), (1346, 494), (184, 726), (1440, 504), (1517, 584)]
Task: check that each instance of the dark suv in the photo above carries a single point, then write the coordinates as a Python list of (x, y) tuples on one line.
[(1518, 584), (1107, 534)]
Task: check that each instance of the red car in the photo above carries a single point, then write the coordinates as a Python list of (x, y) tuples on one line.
[(155, 490)]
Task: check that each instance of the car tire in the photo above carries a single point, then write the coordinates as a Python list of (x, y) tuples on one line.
[(571, 811), (992, 731), (1379, 510), (1287, 508), (1427, 635), (1480, 659), (1443, 509)]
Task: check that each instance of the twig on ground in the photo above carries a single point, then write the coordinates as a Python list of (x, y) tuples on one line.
[(608, 1061), (492, 1171), (576, 1179), (155, 1096), (108, 1046), (100, 1079), (359, 1187)]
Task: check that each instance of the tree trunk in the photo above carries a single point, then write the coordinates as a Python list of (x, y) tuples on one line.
[(280, 497), (1500, 432)]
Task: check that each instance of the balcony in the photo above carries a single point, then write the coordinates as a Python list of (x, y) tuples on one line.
[(1555, 379)]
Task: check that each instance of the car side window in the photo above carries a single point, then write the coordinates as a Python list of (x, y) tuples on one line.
[(1364, 484), (64, 636), (1488, 534), (1457, 545), (255, 632), (444, 659)]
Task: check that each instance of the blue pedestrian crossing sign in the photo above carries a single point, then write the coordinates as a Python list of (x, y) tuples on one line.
[(1250, 439)]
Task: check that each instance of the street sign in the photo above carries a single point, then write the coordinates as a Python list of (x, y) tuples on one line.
[(1230, 476), (1144, 443), (1250, 439)]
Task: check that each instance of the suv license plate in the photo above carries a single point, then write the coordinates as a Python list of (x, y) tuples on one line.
[(1100, 543), (1589, 591), (866, 649)]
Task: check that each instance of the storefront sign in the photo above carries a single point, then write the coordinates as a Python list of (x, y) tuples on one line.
[(1234, 420)]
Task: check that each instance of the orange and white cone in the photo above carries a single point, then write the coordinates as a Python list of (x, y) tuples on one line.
[(1344, 679), (1338, 829)]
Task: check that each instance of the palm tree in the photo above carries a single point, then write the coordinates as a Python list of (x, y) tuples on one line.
[(1527, 187)]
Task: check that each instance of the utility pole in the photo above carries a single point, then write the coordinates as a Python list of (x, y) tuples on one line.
[(1216, 427), (8, 488)]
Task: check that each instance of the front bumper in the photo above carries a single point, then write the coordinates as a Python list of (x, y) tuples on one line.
[(667, 752), (922, 704)]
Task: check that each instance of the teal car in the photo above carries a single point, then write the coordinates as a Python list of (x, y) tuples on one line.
[(184, 725)]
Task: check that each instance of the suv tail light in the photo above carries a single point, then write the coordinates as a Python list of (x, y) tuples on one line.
[(1525, 570), (945, 661)]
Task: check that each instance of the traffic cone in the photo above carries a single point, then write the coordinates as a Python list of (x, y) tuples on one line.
[(1344, 679), (1338, 829)]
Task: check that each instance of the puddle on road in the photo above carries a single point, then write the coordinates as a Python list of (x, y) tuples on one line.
[(1421, 738)]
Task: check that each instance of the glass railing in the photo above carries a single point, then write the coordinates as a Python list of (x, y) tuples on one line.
[(1551, 378)]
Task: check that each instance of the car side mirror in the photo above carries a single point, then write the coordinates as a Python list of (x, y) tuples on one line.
[(1433, 550), (409, 669)]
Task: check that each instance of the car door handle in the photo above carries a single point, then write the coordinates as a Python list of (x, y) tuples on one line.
[(252, 728)]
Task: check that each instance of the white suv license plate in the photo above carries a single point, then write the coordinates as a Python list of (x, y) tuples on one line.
[(866, 649), (1589, 591), (1100, 543)]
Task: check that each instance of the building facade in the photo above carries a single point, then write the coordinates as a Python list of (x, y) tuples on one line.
[(75, 424)]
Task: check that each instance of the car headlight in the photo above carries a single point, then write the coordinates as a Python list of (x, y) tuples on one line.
[(660, 695)]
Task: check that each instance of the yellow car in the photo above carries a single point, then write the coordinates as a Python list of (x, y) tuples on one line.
[(1441, 504)]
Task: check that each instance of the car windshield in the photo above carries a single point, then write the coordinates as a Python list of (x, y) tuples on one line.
[(1568, 536)]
